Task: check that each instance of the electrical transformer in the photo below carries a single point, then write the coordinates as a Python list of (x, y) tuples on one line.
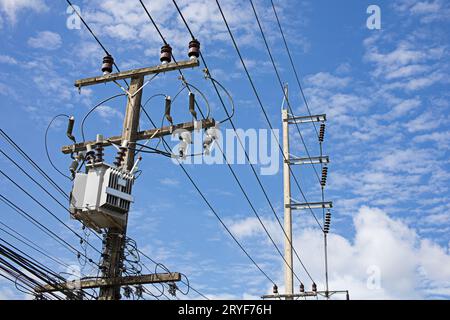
[(101, 197)]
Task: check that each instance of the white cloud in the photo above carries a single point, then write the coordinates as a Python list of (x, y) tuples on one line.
[(427, 11), (12, 7), (169, 182), (380, 243), (7, 59), (327, 80), (424, 122), (45, 40), (107, 112)]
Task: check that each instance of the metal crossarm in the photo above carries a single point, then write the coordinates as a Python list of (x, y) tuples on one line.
[(311, 205), (306, 119), (312, 160)]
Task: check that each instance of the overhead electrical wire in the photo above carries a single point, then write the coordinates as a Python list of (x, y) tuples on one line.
[(45, 190), (106, 51), (241, 143), (201, 194), (243, 190), (44, 207), (282, 88), (293, 65), (215, 212), (263, 109), (94, 108), (33, 163), (39, 225), (46, 146)]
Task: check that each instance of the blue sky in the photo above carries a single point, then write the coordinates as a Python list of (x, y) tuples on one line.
[(385, 93)]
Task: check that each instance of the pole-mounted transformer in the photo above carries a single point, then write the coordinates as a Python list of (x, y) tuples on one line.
[(101, 197)]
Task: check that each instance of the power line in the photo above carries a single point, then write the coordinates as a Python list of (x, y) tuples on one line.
[(293, 65), (39, 225), (214, 211), (263, 108), (43, 188), (282, 88), (172, 55), (199, 191), (33, 164), (93, 35), (248, 159), (45, 208)]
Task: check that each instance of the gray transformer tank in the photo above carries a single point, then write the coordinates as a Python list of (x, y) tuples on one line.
[(101, 198)]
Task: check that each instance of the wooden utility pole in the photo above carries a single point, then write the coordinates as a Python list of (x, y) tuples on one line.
[(112, 280), (115, 239), (288, 268)]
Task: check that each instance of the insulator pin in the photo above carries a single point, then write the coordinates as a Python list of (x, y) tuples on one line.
[(166, 54), (275, 289), (302, 287), (314, 287), (108, 62), (194, 49)]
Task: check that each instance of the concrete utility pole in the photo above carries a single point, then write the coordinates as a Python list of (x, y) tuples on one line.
[(288, 268), (112, 280), (290, 205)]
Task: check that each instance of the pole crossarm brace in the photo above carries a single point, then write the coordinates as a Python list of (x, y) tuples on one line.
[(311, 205), (312, 160), (107, 282), (137, 73), (142, 135), (306, 119)]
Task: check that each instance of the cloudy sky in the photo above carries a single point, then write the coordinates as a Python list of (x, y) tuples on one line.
[(385, 93)]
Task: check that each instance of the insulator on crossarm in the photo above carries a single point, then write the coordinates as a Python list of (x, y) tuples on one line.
[(107, 66), (302, 287), (192, 105), (99, 149), (70, 125), (194, 49), (73, 167), (275, 289), (327, 223), (322, 132), (314, 287), (166, 54), (323, 182), (90, 154), (167, 110), (121, 153)]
